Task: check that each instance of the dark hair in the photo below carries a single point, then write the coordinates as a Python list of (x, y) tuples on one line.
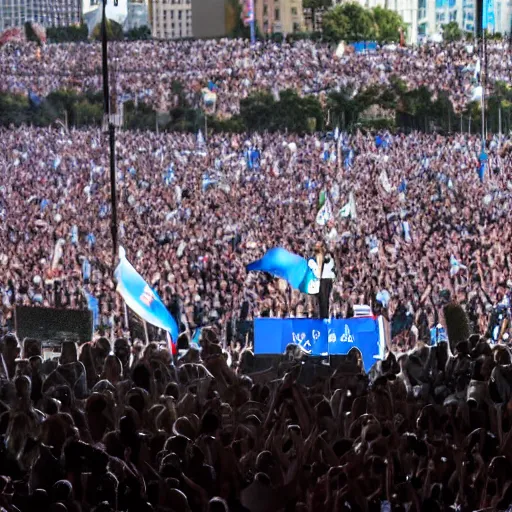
[(217, 505)]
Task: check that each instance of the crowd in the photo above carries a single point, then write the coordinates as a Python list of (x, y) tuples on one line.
[(146, 69), (193, 213), (415, 221)]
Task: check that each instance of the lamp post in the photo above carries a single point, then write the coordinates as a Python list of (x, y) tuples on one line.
[(109, 122)]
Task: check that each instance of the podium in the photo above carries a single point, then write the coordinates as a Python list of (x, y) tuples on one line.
[(321, 338)]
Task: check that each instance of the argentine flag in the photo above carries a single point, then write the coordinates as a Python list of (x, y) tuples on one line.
[(141, 299), (455, 266), (94, 307)]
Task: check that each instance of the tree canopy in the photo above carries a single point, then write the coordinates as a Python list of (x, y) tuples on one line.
[(388, 24), (351, 22), (452, 32), (114, 31)]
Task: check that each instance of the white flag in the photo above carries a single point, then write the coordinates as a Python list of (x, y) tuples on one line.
[(352, 203), (384, 180), (324, 215), (345, 211), (477, 70), (349, 210)]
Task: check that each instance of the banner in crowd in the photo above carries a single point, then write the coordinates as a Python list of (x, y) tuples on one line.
[(321, 337)]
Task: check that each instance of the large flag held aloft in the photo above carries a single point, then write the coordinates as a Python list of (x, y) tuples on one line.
[(288, 266), (141, 299)]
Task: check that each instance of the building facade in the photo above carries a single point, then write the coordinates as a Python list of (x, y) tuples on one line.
[(171, 19), (209, 18), (279, 16), (48, 13)]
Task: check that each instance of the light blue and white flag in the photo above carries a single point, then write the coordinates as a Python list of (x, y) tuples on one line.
[(208, 181), (86, 270), (141, 299), (94, 307), (407, 231), (455, 266), (74, 234), (169, 175)]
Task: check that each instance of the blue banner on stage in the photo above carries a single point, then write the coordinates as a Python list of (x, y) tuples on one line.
[(320, 337)]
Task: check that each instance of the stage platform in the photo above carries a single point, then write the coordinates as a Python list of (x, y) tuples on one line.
[(321, 338)]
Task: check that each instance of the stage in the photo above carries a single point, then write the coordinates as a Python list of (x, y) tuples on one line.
[(321, 338)]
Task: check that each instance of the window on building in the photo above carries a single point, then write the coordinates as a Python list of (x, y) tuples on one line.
[(277, 15), (265, 10), (453, 16), (172, 15), (294, 11), (296, 27), (179, 15)]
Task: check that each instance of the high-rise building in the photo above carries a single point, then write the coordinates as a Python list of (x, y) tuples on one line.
[(171, 19), (279, 16), (49, 13)]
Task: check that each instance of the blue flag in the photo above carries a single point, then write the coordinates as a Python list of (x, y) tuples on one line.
[(86, 270), (194, 342), (34, 99), (288, 266), (94, 307), (140, 298)]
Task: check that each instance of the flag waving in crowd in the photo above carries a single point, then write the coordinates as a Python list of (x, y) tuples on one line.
[(141, 299), (324, 214), (288, 266)]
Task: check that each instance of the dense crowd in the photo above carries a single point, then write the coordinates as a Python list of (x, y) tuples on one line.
[(118, 425), (192, 214), (147, 69)]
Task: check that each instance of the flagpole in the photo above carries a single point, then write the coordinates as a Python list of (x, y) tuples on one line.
[(146, 335)]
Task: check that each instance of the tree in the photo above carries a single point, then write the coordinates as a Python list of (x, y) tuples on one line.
[(314, 6), (257, 111), (389, 23), (69, 34), (452, 32), (139, 33), (114, 31), (349, 22)]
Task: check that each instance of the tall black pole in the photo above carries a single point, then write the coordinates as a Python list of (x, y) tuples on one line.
[(112, 135)]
